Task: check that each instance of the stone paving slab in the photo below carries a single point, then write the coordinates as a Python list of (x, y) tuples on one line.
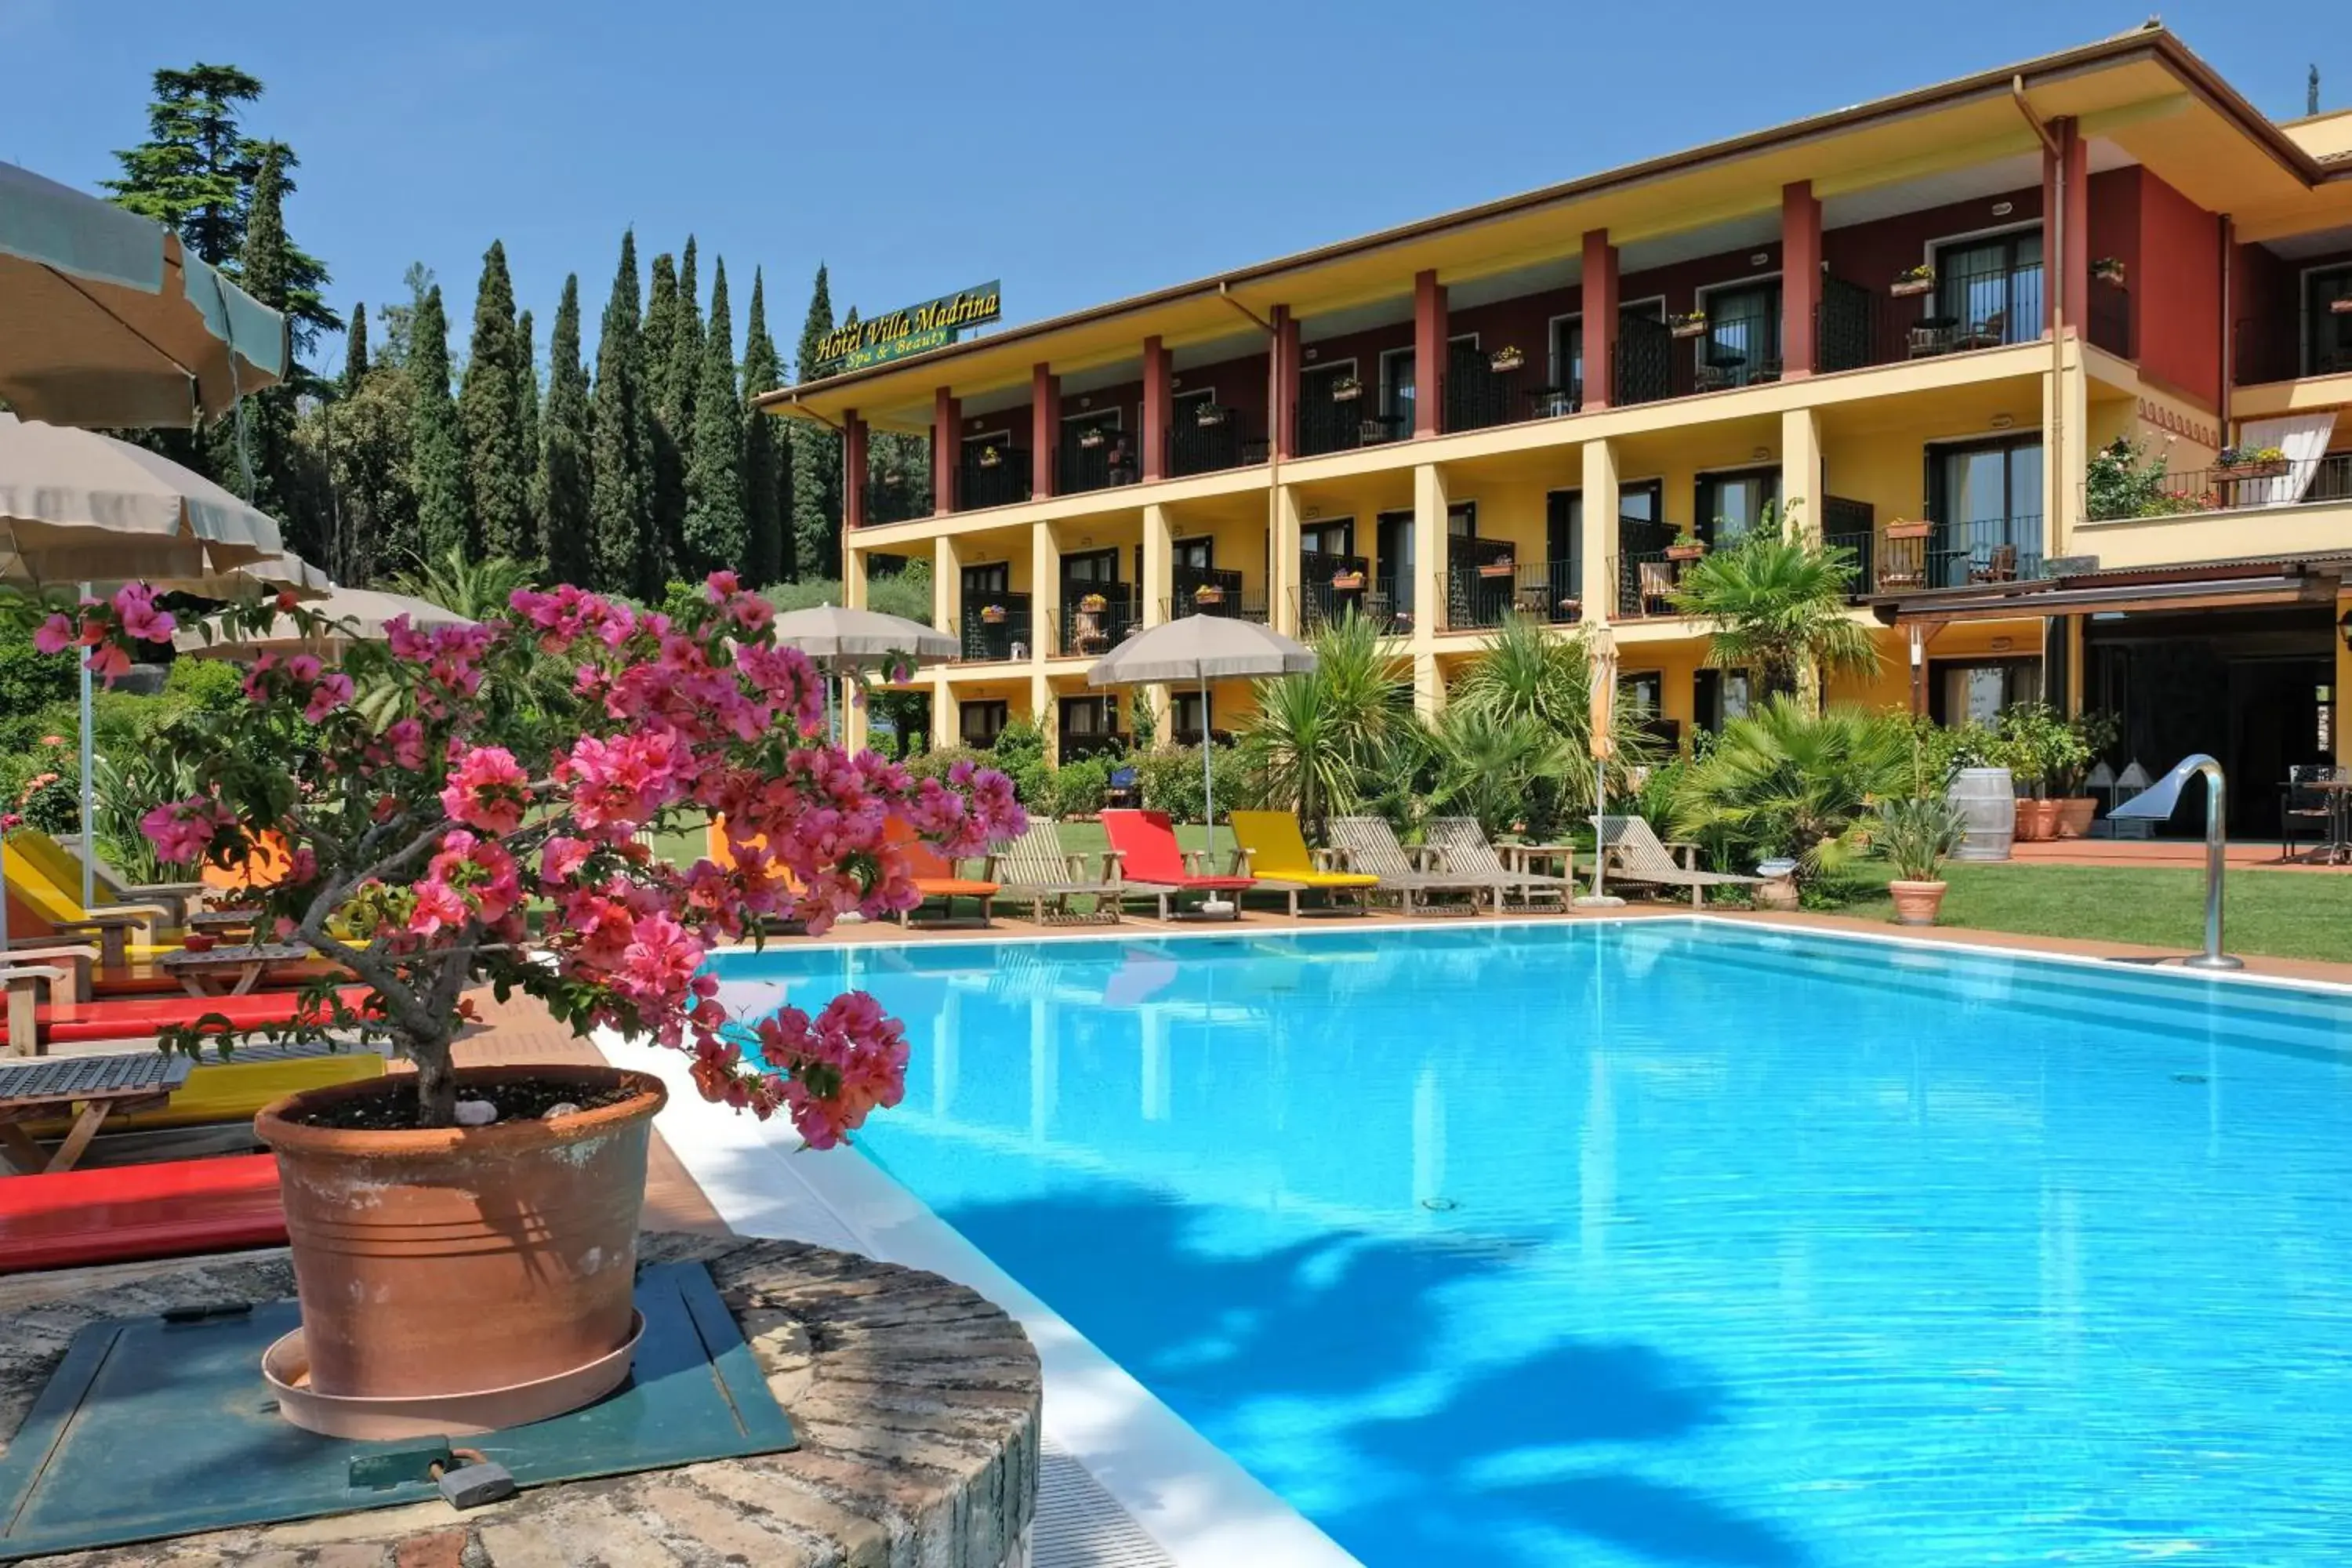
[(917, 1403)]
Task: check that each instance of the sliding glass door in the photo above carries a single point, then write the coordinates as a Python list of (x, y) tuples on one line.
[(1985, 501)]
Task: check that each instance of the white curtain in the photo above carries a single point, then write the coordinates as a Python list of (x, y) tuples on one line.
[(2304, 438)]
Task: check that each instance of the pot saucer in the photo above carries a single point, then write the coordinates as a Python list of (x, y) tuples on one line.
[(287, 1367)]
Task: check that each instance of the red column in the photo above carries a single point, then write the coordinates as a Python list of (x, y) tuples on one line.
[(2067, 276), (1800, 276), (1044, 417), (1428, 353), (852, 470), (1284, 428), (1600, 295), (1156, 392), (947, 446)]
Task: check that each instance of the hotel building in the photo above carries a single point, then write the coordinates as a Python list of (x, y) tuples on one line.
[(1908, 326)]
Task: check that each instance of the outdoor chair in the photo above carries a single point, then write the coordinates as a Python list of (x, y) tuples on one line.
[(2000, 565), (123, 931), (63, 866), (1124, 789), (937, 877), (1632, 854), (1467, 849), (1035, 867), (35, 1025), (2305, 807), (1369, 845), (1279, 856), (1657, 585), (126, 1213), (1152, 863)]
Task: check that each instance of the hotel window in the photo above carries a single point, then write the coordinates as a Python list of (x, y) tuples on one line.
[(1730, 504), (1979, 692), (979, 723), (2327, 335), (1989, 291), (1742, 343), (1568, 355), (1719, 696), (1985, 502), (1090, 718), (1188, 716)]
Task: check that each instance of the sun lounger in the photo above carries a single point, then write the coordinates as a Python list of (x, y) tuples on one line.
[(33, 1025), (1467, 849), (88, 1088), (63, 867), (936, 876), (1152, 863), (1634, 854), (233, 1091), (128, 1212), (1279, 856), (1371, 845), (1036, 867), (123, 931)]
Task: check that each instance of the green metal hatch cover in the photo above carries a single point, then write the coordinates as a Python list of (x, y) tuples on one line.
[(162, 1426)]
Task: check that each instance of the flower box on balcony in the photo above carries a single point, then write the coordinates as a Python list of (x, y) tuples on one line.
[(1914, 280), (1505, 359), (1503, 568), (1690, 325), (1909, 529), (2269, 469), (2340, 306), (1092, 437), (992, 615), (1094, 604), (1208, 594), (1346, 389), (1208, 416), (2108, 270), (1347, 581), (1686, 549), (989, 458)]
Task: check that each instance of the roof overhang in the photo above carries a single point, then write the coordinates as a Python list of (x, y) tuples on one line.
[(2238, 584)]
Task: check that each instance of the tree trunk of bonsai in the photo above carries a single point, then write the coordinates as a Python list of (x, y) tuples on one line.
[(436, 1079)]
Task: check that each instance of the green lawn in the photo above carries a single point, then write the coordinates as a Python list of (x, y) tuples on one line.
[(2279, 914)]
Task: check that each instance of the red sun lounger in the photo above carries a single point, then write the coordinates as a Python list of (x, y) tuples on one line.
[(124, 1213)]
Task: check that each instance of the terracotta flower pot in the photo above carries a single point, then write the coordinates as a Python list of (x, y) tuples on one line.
[(2074, 814), (1915, 903), (2030, 824), (453, 1261)]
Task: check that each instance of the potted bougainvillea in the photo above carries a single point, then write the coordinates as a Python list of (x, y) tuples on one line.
[(469, 806)]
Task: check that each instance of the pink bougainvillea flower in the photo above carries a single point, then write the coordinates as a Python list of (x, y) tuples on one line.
[(181, 830), (135, 604), (488, 789)]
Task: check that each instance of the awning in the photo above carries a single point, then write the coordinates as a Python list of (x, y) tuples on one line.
[(2237, 587)]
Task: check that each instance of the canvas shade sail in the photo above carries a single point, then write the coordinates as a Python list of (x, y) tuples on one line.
[(105, 320)]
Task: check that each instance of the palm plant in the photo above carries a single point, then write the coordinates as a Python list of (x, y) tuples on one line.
[(1777, 606), (1531, 674), (1325, 742), (1790, 781), (476, 590), (1499, 768)]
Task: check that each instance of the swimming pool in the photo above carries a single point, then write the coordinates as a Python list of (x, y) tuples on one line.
[(1668, 1241)]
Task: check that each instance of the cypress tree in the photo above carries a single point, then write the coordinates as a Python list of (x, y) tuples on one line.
[(255, 449), (683, 380), (714, 478), (621, 450), (356, 355), (656, 360), (816, 459), (490, 410), (527, 421), (445, 507), (561, 496), (767, 541)]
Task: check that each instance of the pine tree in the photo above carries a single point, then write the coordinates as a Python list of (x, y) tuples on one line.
[(526, 419), (816, 459), (490, 409), (767, 540), (445, 508), (561, 499), (355, 353), (714, 478), (620, 460)]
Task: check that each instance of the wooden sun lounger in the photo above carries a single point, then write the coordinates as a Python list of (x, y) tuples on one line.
[(1467, 849), (1036, 867), (1155, 865), (1634, 854), (1371, 845), (100, 1085)]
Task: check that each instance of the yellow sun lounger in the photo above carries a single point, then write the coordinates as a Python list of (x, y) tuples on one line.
[(1278, 854), (63, 867), (218, 1092), (123, 931)]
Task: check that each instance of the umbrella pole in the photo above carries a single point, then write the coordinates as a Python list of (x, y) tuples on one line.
[(1207, 784), (89, 753)]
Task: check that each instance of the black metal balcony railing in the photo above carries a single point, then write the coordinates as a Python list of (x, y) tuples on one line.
[(1482, 597), (1208, 591), (995, 627), (1331, 586), (2282, 483), (1957, 554), (1646, 581), (1116, 459), (2110, 324), (1087, 633), (1852, 526), (1731, 352), (1005, 482), (1197, 448), (1344, 425), (890, 498), (2274, 348), (1075, 747), (1857, 325)]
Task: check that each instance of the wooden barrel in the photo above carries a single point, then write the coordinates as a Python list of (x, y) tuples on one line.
[(1987, 801)]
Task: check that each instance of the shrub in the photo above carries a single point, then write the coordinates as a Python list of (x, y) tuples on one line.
[(1170, 782), (51, 802), (1787, 781), (1019, 753), (937, 763), (2042, 748), (1080, 787)]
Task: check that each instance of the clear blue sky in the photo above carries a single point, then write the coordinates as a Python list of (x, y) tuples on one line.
[(1078, 152)]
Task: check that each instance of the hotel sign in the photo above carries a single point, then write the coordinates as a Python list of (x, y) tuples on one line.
[(912, 330)]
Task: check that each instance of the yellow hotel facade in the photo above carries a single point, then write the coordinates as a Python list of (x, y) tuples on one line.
[(1906, 327)]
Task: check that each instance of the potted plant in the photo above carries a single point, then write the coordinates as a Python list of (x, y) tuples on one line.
[(2108, 270), (462, 808), (1499, 566), (1909, 528), (1687, 323), (2249, 463), (1094, 604), (1919, 279), (1509, 357), (1687, 545), (1346, 389), (2094, 733), (1917, 835), (2040, 747), (1092, 437), (993, 614), (990, 457), (1209, 593), (1208, 416), (1347, 579)]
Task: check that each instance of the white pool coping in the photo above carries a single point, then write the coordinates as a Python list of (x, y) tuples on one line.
[(1202, 1508)]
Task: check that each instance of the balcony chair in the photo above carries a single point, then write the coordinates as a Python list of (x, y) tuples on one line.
[(1658, 582), (2000, 565)]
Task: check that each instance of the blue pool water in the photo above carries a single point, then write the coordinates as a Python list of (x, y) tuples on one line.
[(1669, 1242)]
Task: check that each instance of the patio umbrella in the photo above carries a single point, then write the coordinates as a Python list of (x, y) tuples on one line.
[(361, 614), (106, 320), (842, 640), (1201, 649), (1601, 719)]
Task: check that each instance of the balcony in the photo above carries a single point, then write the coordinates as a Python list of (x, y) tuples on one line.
[(1345, 424), (1482, 390), (2271, 349), (995, 629), (2313, 481), (890, 498), (1095, 460), (1957, 554), (1210, 440), (2110, 312), (1089, 633), (1004, 481), (1332, 587), (1646, 581), (1206, 591), (1655, 361), (1954, 311), (1480, 597), (1852, 526)]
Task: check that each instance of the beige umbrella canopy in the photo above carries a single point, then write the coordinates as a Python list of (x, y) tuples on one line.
[(1201, 649), (105, 320), (834, 635), (361, 614), (77, 505)]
